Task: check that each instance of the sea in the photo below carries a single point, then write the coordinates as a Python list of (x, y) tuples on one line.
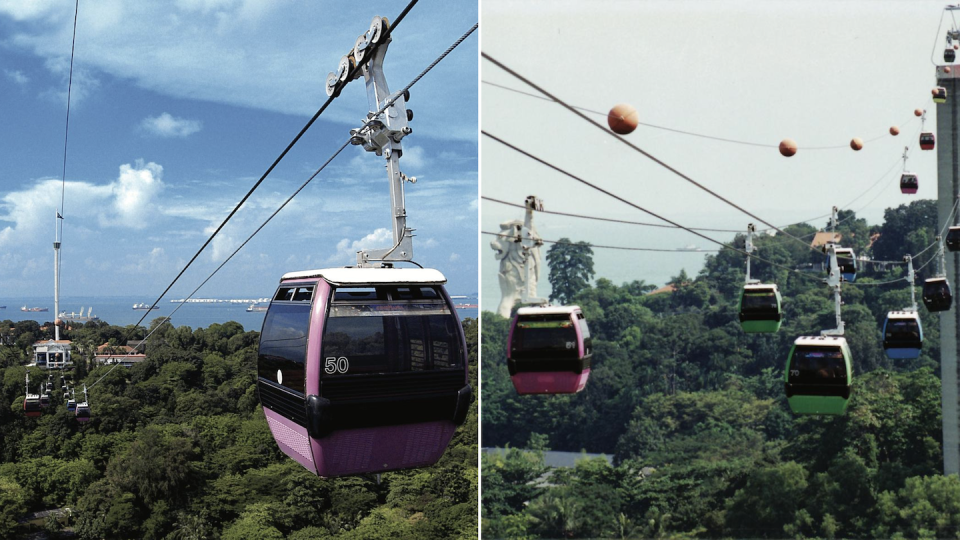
[(118, 310)]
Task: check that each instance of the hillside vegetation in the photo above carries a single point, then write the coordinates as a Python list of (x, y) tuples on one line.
[(178, 448), (694, 413)]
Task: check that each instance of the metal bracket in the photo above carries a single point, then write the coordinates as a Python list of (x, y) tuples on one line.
[(381, 133)]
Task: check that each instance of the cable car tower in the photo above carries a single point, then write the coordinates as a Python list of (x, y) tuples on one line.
[(948, 185), (55, 353)]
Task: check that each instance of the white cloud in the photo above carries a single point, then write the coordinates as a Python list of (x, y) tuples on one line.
[(127, 202), (264, 55), (169, 126), (133, 195), (454, 257), (83, 82), (347, 249), (474, 204), (17, 76)]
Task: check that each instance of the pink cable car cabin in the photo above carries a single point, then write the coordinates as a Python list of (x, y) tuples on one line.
[(549, 350), (363, 370)]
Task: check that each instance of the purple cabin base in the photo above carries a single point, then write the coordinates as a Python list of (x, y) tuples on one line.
[(550, 382), (908, 190), (363, 450)]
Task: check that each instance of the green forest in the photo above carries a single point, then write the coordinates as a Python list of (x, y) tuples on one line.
[(178, 448), (694, 414)]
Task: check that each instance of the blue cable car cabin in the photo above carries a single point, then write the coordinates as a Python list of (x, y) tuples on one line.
[(819, 375), (936, 294), (902, 335), (847, 261)]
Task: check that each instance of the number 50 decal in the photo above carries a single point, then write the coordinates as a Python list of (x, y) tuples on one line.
[(332, 365)]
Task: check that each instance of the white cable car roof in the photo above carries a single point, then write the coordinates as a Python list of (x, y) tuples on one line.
[(371, 276), (547, 310), (821, 341)]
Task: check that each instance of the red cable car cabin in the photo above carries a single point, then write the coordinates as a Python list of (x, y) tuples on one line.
[(927, 140), (31, 405), (363, 370), (549, 350), (909, 183)]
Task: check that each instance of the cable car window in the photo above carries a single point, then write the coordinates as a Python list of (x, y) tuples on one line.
[(298, 293), (410, 293), (548, 335), (283, 344), (818, 365), (758, 301), (359, 294), (902, 330), (584, 330), (392, 336)]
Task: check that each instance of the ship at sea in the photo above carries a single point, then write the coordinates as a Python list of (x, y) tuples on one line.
[(78, 317), (34, 309), (145, 307), (254, 307)]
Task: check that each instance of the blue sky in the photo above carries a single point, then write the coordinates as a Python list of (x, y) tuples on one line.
[(177, 109)]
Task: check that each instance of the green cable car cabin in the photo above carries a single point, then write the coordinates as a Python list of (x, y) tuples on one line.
[(818, 376), (760, 308)]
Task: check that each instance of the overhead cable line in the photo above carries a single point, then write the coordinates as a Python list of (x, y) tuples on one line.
[(387, 104), (634, 205), (640, 150), (66, 135), (691, 133), (516, 238), (263, 177), (661, 225)]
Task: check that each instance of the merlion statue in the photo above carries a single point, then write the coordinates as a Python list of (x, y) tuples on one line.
[(517, 247)]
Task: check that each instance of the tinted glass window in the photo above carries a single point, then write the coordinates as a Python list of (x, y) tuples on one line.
[(552, 334), (283, 344), (295, 293), (405, 329), (902, 330), (818, 365), (759, 301)]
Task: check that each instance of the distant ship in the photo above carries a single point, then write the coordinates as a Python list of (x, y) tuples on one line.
[(78, 317), (466, 306), (254, 307), (3, 307), (144, 307), (35, 309)]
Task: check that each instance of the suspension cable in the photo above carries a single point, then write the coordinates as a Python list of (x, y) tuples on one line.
[(640, 150), (274, 164), (387, 104)]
